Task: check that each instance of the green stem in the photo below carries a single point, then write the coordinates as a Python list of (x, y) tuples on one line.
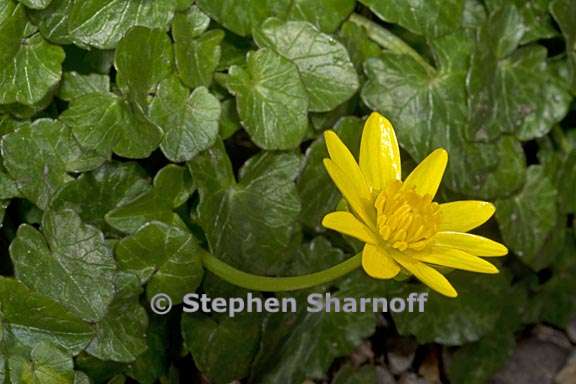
[(388, 40), (278, 284)]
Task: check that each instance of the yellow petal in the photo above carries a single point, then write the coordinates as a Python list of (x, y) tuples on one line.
[(379, 153), (467, 242), (426, 274), (348, 224), (462, 216), (454, 258), (426, 177), (378, 264), (359, 203), (342, 157)]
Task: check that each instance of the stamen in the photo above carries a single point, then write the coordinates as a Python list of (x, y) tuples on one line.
[(406, 220)]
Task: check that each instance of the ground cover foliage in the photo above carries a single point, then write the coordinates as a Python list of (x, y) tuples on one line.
[(136, 133)]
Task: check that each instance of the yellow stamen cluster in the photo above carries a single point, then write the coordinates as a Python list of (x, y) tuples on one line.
[(405, 219)]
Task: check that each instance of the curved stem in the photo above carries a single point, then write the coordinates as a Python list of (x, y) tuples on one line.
[(388, 40), (278, 284)]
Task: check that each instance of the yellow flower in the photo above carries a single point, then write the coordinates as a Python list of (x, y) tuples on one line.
[(398, 220)]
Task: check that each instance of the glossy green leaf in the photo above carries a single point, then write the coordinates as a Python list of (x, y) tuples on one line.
[(103, 122), (264, 203), (102, 23), (68, 261), (511, 91), (39, 155), (74, 85), (221, 348), (240, 16), (281, 357), (46, 365), (271, 100), (31, 66), (32, 317), (536, 20), (143, 59), (153, 363), (324, 65), (475, 312), (52, 21), (197, 52), (476, 363), (429, 110), (326, 15), (121, 334), (191, 23), (172, 187), (93, 194), (189, 120), (564, 12), (431, 18), (166, 258), (527, 219), (36, 4)]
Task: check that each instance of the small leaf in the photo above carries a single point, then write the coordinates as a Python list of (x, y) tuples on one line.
[(429, 110), (68, 262), (476, 363), (240, 16), (75, 85), (164, 257), (93, 194), (263, 204), (431, 18), (172, 186), (511, 91), (325, 67), (103, 122), (536, 20), (222, 349), (102, 23), (189, 120), (197, 52), (33, 318), (456, 321), (326, 15), (527, 219), (52, 21), (39, 155), (46, 365), (271, 100), (564, 12), (143, 59), (31, 66), (121, 334), (281, 358), (35, 4)]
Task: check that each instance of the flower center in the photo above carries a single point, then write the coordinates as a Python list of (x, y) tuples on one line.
[(405, 219)]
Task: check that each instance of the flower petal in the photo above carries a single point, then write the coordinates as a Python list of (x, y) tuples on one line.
[(348, 224), (342, 157), (462, 216), (426, 177), (426, 274), (378, 264), (455, 258), (358, 202), (467, 242), (379, 152)]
